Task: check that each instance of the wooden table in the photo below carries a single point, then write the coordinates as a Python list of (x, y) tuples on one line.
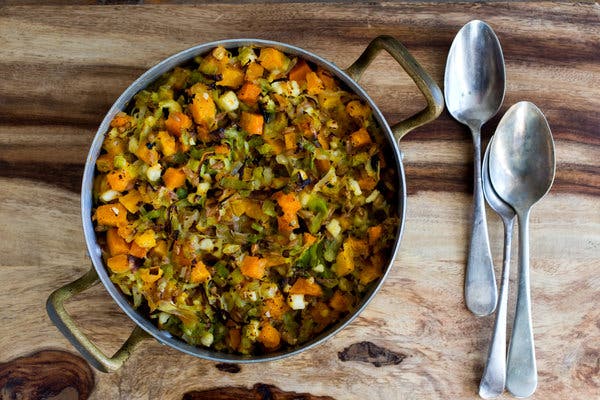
[(62, 67)]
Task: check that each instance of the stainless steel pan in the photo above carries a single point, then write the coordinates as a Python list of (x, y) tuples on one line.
[(98, 273)]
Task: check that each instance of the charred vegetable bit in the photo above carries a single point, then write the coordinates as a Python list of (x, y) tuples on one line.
[(245, 202)]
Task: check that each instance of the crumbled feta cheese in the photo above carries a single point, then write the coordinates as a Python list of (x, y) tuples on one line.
[(153, 173), (206, 244), (252, 330), (109, 195), (296, 301), (334, 227), (229, 101)]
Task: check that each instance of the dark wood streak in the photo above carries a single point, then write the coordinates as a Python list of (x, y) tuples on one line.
[(227, 367), (45, 374), (369, 352), (67, 176), (259, 391)]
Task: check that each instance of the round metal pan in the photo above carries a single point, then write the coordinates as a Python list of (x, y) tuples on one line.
[(144, 328)]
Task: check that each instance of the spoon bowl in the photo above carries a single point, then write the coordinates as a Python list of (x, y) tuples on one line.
[(522, 167), (522, 156), (474, 84)]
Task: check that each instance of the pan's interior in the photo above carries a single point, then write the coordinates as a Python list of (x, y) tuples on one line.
[(388, 142)]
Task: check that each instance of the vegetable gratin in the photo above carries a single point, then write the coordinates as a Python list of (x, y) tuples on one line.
[(245, 202)]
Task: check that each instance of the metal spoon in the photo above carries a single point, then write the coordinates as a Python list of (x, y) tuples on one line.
[(474, 85), (522, 165), (494, 374)]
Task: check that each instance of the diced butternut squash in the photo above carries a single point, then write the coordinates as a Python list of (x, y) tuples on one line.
[(289, 202), (167, 143), (314, 85), (290, 140), (323, 140), (308, 239), (307, 287), (272, 59), (200, 273), (104, 162), (269, 336), (360, 138), (367, 183), (174, 178), (119, 180), (253, 267), (111, 214), (146, 239), (254, 71), (126, 232), (359, 246), (327, 79), (340, 301), (131, 201), (321, 313), (232, 77), (118, 263), (121, 120), (247, 206), (374, 233), (298, 73), (369, 273), (358, 110), (287, 223), (177, 122), (234, 337), (137, 251), (116, 244), (222, 149), (150, 275), (114, 146), (249, 93), (203, 109), (161, 249), (344, 262), (275, 307), (147, 153), (252, 123)]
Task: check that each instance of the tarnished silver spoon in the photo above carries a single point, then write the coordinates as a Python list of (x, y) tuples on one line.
[(494, 374), (474, 84), (522, 166)]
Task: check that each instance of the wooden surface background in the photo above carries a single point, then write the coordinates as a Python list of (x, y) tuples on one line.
[(62, 67)]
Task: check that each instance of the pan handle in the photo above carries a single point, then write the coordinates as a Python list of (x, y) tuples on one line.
[(427, 86), (63, 321)]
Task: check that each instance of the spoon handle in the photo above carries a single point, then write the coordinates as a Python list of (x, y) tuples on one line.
[(494, 374), (521, 374), (480, 283)]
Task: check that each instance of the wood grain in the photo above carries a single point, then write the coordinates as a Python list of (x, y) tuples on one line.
[(46, 374), (62, 67), (258, 392)]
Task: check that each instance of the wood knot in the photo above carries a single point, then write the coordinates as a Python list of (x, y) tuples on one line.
[(228, 367), (260, 391), (371, 353), (45, 374)]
